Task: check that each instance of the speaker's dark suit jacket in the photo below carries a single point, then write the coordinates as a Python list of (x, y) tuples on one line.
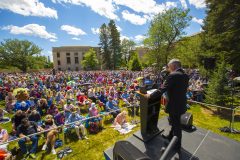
[(176, 86)]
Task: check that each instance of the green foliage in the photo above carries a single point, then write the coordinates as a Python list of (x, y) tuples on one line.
[(221, 31), (115, 45), (188, 51), (134, 63), (126, 47), (90, 61), (110, 45), (217, 91), (18, 53), (163, 32), (104, 46)]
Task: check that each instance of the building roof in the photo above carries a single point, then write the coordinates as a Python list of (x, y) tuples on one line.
[(73, 48)]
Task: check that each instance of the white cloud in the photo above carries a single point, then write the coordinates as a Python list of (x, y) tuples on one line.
[(28, 8), (199, 21), (72, 30), (145, 6), (32, 30), (198, 3), (133, 18), (95, 30), (102, 7), (76, 38), (139, 38), (124, 37), (119, 28), (183, 3)]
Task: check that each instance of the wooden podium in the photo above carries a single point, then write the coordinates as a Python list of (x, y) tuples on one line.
[(149, 113)]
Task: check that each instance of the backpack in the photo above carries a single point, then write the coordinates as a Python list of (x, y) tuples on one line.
[(58, 143), (93, 128)]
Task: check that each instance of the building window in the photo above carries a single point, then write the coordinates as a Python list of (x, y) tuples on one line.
[(59, 63), (76, 54), (76, 60), (67, 54), (58, 54), (59, 69), (68, 60)]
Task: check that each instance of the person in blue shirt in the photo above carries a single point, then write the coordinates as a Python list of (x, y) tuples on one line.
[(125, 95), (75, 117), (111, 106)]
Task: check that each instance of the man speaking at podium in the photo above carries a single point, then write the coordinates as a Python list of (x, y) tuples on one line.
[(175, 86)]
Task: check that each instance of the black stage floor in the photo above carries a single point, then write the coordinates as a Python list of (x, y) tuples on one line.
[(200, 144)]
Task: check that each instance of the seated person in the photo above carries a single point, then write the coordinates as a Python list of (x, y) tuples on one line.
[(121, 119), (82, 98), (74, 117), (17, 118), (102, 97), (67, 109), (133, 104), (9, 101), (125, 95), (59, 118), (42, 105), (2, 118), (3, 148), (24, 129), (93, 111), (35, 117), (52, 110), (111, 106), (50, 135)]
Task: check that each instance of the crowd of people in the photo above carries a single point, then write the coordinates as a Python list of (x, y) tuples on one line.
[(40, 102)]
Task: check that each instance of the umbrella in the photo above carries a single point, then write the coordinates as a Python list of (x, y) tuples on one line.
[(15, 91)]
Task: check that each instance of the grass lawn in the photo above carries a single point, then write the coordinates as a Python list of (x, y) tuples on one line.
[(93, 148)]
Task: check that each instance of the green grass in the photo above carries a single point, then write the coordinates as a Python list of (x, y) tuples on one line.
[(93, 148)]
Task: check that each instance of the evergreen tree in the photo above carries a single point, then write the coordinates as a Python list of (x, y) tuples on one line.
[(217, 91), (104, 46), (134, 63), (90, 61), (114, 45), (222, 31)]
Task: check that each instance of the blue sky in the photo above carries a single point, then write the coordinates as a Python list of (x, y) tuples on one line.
[(53, 23)]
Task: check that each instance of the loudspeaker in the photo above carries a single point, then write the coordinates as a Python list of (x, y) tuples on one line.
[(124, 150), (187, 120)]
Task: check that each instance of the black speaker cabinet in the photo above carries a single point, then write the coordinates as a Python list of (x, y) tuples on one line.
[(124, 150), (187, 120)]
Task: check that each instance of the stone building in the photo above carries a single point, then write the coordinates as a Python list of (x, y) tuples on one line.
[(70, 57)]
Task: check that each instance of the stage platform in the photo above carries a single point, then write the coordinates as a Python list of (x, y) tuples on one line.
[(201, 144)]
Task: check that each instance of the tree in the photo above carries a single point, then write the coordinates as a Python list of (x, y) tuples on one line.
[(188, 51), (126, 47), (134, 63), (114, 45), (90, 61), (164, 30), (221, 34), (18, 53), (104, 46), (217, 91)]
